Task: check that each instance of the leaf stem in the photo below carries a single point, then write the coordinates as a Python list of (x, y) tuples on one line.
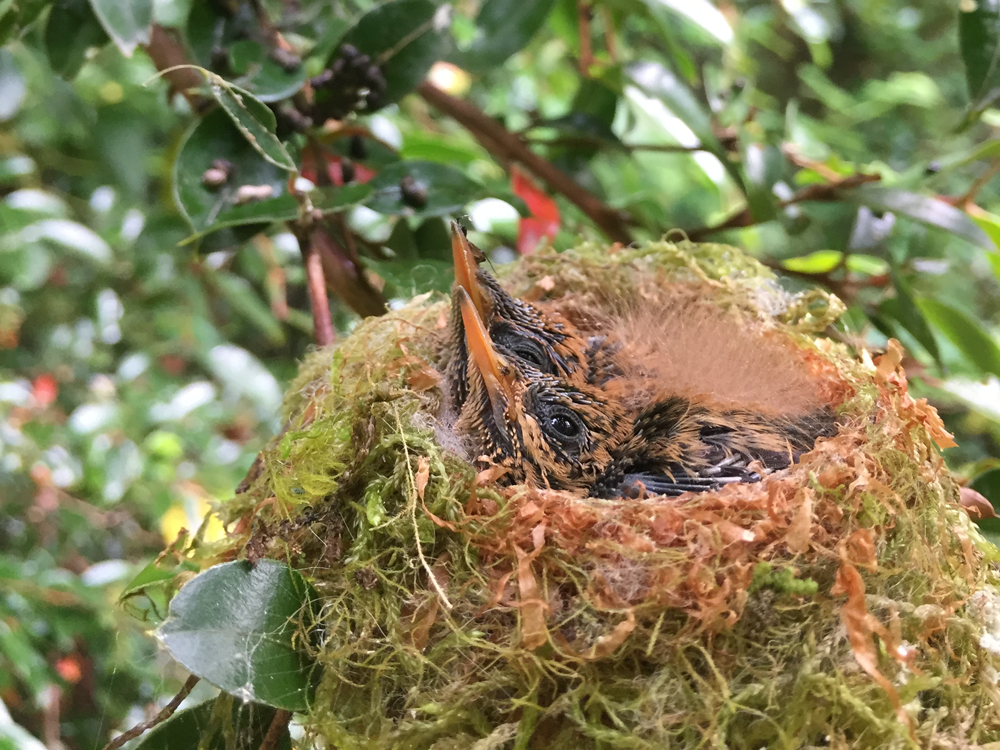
[(316, 284)]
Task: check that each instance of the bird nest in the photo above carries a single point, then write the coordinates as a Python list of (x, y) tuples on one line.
[(845, 602)]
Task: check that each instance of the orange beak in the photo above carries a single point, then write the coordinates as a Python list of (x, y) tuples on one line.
[(496, 374), (465, 269)]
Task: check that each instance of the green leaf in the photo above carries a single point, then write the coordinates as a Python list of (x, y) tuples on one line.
[(990, 529), (414, 276), (656, 80), (12, 86), (243, 298), (253, 119), (286, 208), (147, 596), (964, 332), (904, 309), (237, 625), (215, 137), (217, 724), (405, 37), (127, 22), (503, 27), (821, 261), (923, 209), (72, 29), (447, 189), (262, 76), (987, 484), (979, 41)]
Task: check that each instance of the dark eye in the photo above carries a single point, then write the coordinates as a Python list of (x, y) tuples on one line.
[(564, 425), (524, 348)]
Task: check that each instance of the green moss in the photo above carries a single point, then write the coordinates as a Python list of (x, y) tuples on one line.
[(686, 623)]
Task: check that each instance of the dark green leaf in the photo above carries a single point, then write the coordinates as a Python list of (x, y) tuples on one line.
[(147, 596), (979, 40), (237, 625), (904, 309), (262, 76), (127, 22), (286, 208), (71, 31), (502, 28), (211, 138), (987, 484), (964, 332), (923, 209), (412, 277), (446, 190), (404, 37), (217, 724), (253, 119), (763, 166)]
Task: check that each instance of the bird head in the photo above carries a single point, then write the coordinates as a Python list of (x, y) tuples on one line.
[(522, 332), (542, 428)]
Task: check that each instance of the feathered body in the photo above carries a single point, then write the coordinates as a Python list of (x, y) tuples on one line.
[(669, 398)]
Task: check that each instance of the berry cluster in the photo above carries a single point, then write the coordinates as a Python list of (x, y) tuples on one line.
[(352, 83)]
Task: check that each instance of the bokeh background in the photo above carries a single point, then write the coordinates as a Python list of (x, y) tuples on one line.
[(148, 328)]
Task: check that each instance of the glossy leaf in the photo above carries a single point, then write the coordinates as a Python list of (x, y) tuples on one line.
[(446, 190), (988, 485), (415, 276), (286, 208), (253, 119), (262, 76), (12, 86), (966, 333), (923, 209), (72, 29), (904, 309), (213, 725), (238, 626), (703, 14), (127, 22), (147, 596), (502, 28), (211, 138), (990, 529), (657, 81), (979, 40), (405, 37)]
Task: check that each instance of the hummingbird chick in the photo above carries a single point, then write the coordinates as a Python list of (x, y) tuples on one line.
[(521, 331), (543, 429), (677, 445)]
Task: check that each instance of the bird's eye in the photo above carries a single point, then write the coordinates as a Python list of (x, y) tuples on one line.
[(525, 349), (564, 425)]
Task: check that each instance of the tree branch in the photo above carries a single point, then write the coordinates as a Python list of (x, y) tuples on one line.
[(316, 284), (278, 723), (507, 147), (165, 713), (825, 192)]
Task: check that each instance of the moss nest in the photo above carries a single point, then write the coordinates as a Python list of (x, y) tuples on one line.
[(845, 602)]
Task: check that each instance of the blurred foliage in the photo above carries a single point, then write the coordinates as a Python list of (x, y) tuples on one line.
[(152, 290)]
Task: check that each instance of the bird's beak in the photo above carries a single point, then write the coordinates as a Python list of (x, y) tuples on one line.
[(465, 269), (495, 374)]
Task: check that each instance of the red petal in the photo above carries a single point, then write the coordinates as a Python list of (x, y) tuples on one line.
[(538, 202), (45, 389)]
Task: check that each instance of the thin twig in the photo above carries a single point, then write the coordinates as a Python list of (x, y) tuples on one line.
[(507, 148), (278, 723), (824, 192), (982, 181), (610, 44), (165, 713), (590, 140), (583, 15), (316, 284)]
